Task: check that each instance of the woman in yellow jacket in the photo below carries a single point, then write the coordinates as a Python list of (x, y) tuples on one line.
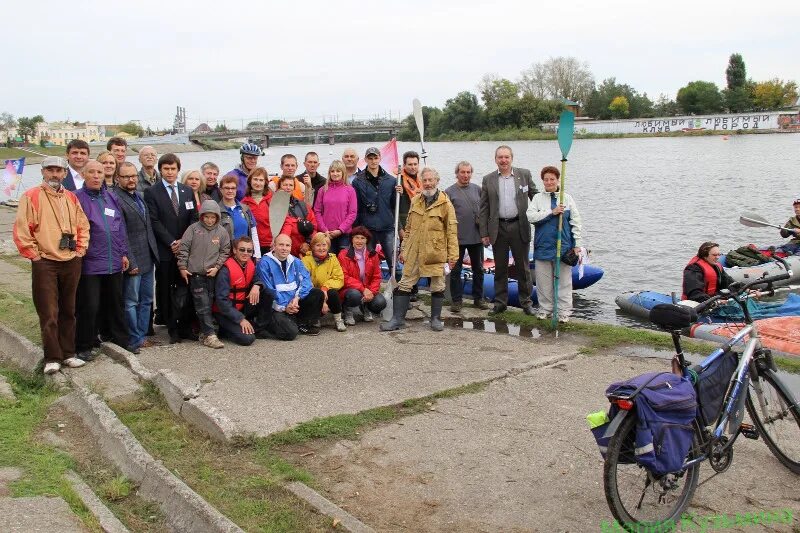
[(431, 241), (326, 275)]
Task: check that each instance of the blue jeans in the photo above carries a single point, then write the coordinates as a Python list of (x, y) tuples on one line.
[(386, 240), (138, 297)]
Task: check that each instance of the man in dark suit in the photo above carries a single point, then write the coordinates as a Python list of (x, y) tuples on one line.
[(142, 256), (172, 210), (503, 223), (77, 157)]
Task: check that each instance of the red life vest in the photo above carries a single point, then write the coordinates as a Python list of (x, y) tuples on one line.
[(710, 275), (241, 282)]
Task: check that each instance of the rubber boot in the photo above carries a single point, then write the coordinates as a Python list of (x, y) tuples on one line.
[(437, 300), (400, 302)]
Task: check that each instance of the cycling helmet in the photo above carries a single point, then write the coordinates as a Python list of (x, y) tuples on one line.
[(250, 149)]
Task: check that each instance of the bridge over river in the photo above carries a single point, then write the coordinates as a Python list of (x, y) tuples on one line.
[(319, 134)]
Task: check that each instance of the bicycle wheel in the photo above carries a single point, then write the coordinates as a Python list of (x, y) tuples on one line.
[(777, 419), (635, 496)]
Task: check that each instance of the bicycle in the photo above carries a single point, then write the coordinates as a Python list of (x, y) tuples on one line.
[(638, 497)]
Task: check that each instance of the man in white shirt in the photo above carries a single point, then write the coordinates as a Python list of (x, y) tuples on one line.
[(77, 157)]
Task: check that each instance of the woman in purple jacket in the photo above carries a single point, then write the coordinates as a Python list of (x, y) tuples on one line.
[(335, 207), (105, 261)]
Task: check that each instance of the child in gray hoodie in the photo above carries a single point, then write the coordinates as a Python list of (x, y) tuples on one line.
[(205, 246)]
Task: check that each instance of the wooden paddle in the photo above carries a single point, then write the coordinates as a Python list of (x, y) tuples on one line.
[(566, 130)]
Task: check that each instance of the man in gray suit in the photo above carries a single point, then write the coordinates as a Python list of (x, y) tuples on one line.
[(142, 254), (503, 223)]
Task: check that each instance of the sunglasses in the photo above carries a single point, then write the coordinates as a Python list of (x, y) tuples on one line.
[(245, 250)]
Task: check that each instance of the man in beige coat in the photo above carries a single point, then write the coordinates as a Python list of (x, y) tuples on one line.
[(431, 240)]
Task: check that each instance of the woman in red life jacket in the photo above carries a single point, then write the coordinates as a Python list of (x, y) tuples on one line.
[(704, 277)]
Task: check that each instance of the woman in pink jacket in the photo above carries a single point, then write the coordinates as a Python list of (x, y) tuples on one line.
[(335, 208)]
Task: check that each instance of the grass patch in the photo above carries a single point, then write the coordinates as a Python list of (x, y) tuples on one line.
[(43, 465), (604, 336), (18, 313), (16, 153), (243, 480), (17, 261), (787, 364)]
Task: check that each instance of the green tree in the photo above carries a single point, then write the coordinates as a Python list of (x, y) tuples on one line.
[(665, 107), (534, 111), (462, 113), (221, 128), (26, 127), (431, 117), (619, 107), (255, 124), (501, 102), (599, 101), (132, 128), (699, 98), (774, 94), (737, 96), (7, 122), (558, 77)]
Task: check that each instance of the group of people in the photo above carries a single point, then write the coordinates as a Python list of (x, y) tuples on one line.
[(104, 237)]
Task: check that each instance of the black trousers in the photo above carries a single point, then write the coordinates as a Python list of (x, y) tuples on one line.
[(475, 252), (172, 294), (334, 302), (259, 316), (92, 291)]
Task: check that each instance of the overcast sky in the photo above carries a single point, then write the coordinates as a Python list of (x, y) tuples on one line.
[(239, 61)]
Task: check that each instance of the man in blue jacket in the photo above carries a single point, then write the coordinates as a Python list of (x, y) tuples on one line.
[(375, 194), (296, 304)]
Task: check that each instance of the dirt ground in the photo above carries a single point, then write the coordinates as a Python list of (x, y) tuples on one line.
[(518, 457)]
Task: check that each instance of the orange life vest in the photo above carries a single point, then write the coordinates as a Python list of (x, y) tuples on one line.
[(411, 185), (710, 276), (241, 281), (299, 187)]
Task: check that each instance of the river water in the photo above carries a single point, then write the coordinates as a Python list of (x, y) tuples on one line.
[(646, 203)]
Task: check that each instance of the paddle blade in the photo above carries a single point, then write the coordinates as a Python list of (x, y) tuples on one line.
[(419, 119), (755, 220), (278, 207), (566, 130)]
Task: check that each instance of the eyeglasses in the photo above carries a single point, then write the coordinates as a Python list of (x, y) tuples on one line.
[(126, 177), (229, 188), (245, 250)]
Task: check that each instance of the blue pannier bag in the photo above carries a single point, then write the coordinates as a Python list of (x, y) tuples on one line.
[(666, 406)]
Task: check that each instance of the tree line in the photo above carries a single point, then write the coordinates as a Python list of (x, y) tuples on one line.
[(539, 95)]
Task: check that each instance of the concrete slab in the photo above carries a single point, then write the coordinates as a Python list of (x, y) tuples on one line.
[(5, 390), (517, 457), (271, 385), (39, 514), (106, 377)]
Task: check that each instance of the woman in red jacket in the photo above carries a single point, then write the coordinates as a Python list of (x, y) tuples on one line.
[(362, 277), (257, 196), (300, 223)]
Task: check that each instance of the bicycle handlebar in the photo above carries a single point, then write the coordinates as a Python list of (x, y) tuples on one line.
[(736, 290)]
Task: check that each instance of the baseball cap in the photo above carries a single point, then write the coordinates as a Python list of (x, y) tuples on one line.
[(54, 161), (372, 151), (797, 201)]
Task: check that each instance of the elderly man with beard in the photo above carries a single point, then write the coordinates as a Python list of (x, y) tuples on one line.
[(148, 175), (431, 242), (52, 231)]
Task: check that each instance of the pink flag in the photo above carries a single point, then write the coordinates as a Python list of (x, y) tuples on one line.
[(389, 159)]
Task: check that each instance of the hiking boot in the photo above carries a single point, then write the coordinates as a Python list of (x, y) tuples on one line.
[(308, 329), (437, 301), (74, 362), (563, 319), (174, 338), (528, 310), (541, 315), (400, 303), (349, 319), (481, 304), (455, 307), (340, 326), (368, 316), (498, 308), (212, 342), (52, 368), (86, 356)]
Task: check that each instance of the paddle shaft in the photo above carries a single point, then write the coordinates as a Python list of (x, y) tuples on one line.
[(752, 223), (557, 261)]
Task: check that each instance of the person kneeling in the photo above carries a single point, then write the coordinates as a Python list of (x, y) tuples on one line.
[(203, 250), (243, 306), (296, 303), (326, 275), (361, 266)]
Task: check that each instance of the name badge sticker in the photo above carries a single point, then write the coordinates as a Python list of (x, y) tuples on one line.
[(189, 206), (109, 212), (524, 188)]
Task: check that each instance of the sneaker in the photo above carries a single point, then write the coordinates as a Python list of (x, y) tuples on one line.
[(563, 319), (368, 317), (307, 329), (541, 315), (340, 325), (212, 342), (52, 368), (74, 362), (349, 319), (174, 338), (455, 307), (482, 304), (528, 310), (86, 356), (149, 343)]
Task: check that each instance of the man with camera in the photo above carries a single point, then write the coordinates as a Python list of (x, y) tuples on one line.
[(375, 194), (52, 231)]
